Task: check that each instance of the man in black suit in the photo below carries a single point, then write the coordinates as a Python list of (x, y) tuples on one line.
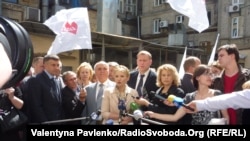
[(187, 85), (190, 64), (73, 97), (144, 61), (44, 92)]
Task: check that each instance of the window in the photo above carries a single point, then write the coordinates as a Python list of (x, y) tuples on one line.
[(156, 26), (236, 2), (157, 2), (121, 7), (179, 19), (235, 26)]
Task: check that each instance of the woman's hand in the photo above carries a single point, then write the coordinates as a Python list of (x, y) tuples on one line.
[(168, 103), (125, 120), (142, 102), (149, 114)]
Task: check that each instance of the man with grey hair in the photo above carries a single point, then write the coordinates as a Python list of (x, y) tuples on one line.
[(95, 92)]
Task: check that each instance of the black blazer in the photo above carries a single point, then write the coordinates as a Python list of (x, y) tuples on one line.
[(149, 85), (187, 84), (72, 106), (159, 107), (44, 103)]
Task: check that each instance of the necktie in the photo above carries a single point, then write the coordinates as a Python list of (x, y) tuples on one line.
[(55, 86), (139, 87), (99, 96)]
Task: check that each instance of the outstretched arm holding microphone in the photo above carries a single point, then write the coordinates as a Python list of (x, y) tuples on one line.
[(173, 101), (235, 100)]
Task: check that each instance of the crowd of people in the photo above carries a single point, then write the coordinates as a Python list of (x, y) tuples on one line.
[(110, 91)]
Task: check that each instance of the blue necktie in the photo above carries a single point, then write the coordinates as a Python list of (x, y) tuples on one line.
[(139, 87), (55, 86)]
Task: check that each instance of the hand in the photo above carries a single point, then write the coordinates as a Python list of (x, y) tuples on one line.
[(149, 114), (10, 92), (192, 104), (125, 120), (82, 95), (142, 101), (168, 103)]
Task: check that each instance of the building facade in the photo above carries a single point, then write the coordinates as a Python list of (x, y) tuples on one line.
[(144, 24)]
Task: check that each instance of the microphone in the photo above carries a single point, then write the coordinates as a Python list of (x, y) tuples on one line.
[(178, 102), (94, 116), (157, 96), (121, 107), (137, 115), (134, 106), (109, 122)]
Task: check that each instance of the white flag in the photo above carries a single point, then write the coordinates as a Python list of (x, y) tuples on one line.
[(195, 10), (72, 30), (181, 68), (211, 59)]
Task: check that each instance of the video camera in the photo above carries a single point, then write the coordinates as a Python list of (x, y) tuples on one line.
[(18, 47)]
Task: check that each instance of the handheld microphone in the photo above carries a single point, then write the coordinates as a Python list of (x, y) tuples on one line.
[(134, 106), (157, 96), (137, 115), (121, 107), (109, 122), (178, 102), (94, 117)]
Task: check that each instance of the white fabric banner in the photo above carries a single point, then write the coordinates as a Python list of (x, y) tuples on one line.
[(181, 68), (195, 10), (72, 29), (211, 59)]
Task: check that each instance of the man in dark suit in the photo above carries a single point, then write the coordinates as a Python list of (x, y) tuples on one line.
[(187, 85), (190, 64), (73, 97), (144, 61), (44, 92), (143, 78), (93, 99)]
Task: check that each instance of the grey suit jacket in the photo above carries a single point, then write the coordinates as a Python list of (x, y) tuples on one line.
[(91, 102)]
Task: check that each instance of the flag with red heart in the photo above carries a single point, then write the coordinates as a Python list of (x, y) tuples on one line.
[(72, 29)]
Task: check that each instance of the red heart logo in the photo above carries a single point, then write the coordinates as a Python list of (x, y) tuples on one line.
[(70, 27)]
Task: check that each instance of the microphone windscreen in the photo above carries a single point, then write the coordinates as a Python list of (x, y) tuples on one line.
[(109, 122), (94, 116), (138, 114), (171, 98), (133, 106)]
